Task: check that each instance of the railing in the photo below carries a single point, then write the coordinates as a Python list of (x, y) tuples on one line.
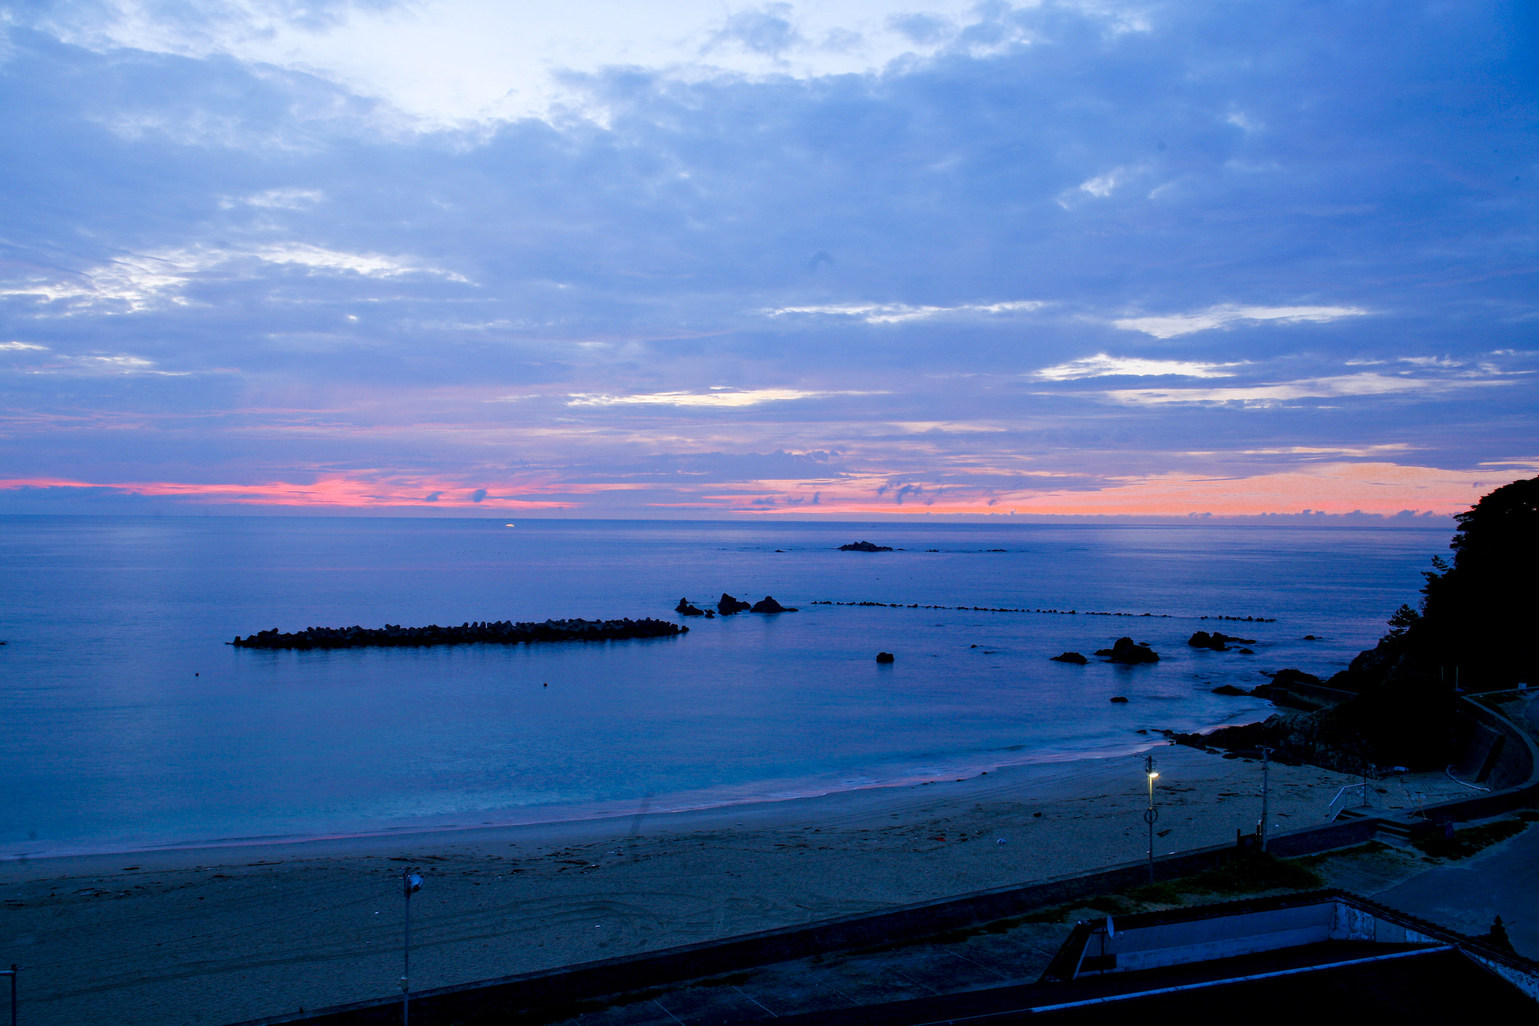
[(1331, 811)]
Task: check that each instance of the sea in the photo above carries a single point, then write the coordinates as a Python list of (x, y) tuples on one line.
[(127, 721)]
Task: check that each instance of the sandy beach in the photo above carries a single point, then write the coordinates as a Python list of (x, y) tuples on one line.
[(219, 935)]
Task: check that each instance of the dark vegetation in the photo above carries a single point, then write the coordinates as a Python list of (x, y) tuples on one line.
[(1472, 632), (1459, 844)]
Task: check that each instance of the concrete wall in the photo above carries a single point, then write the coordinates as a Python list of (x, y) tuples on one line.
[(1153, 947)]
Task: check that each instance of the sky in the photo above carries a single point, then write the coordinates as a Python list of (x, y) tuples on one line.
[(817, 258)]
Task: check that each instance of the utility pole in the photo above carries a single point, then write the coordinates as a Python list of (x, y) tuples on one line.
[(1265, 782), (1151, 813), (410, 884), (11, 972)]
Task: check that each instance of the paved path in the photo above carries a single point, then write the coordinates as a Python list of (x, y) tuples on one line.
[(1465, 896)]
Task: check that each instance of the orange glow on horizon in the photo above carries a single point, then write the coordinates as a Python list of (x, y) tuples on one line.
[(1383, 489), (334, 491)]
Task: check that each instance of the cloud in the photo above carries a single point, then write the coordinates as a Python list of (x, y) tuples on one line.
[(378, 491), (448, 62), (1344, 386), (1361, 452), (343, 231), (1102, 365), (899, 313), (767, 31), (1101, 186), (716, 399), (922, 29), (139, 282), (80, 365), (279, 199), (1227, 315)]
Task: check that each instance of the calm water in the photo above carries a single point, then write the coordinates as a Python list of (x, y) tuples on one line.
[(128, 722)]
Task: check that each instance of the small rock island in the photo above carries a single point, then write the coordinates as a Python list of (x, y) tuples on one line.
[(1124, 650)]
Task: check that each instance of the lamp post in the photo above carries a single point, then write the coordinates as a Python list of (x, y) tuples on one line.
[(1151, 813), (1265, 780), (410, 884), (11, 972)]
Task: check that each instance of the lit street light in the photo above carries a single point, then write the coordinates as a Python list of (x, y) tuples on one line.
[(1151, 813)]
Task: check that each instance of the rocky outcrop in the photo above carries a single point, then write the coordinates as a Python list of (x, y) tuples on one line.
[(1288, 675), (727, 605), (864, 546), (1071, 657), (686, 608), (1410, 724), (1218, 641), (1124, 650), (1401, 696), (884, 657), (767, 604), (499, 632)]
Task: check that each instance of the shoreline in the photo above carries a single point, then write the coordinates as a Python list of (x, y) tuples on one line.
[(213, 935), (586, 818), (684, 803), (584, 823)]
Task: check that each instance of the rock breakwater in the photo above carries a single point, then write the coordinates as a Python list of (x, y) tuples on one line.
[(483, 632)]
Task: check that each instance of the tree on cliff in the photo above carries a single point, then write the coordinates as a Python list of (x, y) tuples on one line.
[(1474, 627), (1479, 614), (1476, 615)]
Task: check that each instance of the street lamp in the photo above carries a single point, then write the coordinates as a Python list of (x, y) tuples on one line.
[(1151, 813), (1265, 765), (11, 972), (411, 883)]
